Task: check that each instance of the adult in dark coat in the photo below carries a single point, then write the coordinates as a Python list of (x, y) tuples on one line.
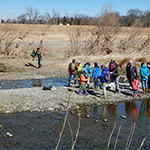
[(131, 72)]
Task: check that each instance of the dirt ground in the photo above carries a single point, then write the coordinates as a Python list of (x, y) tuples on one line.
[(56, 58)]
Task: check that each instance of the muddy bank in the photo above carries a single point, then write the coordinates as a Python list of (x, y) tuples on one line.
[(36, 99)]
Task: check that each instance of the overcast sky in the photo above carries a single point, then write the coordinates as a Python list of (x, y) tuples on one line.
[(13, 8)]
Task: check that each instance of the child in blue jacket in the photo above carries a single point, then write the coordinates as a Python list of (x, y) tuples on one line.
[(96, 72), (102, 79)]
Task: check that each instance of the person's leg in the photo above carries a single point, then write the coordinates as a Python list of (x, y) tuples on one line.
[(88, 82), (146, 86), (84, 89), (143, 86), (74, 78), (39, 64), (96, 83), (81, 89), (70, 76), (104, 89)]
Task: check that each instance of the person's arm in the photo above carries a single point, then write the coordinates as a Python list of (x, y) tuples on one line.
[(82, 78), (69, 68)]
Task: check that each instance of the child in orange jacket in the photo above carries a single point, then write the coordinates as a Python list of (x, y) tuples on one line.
[(135, 85), (83, 81)]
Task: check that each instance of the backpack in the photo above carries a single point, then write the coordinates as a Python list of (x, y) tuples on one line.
[(72, 67), (107, 77)]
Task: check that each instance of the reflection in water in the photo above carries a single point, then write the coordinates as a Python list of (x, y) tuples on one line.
[(112, 109)]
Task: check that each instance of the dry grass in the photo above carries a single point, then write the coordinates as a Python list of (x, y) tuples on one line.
[(141, 59)]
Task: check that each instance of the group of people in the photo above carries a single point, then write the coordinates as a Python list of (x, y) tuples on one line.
[(103, 75)]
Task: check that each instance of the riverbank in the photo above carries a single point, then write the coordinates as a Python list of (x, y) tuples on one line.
[(36, 99)]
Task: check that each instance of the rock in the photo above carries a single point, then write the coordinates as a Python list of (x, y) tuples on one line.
[(105, 120), (96, 120), (124, 117), (8, 134), (88, 116), (51, 109), (7, 112)]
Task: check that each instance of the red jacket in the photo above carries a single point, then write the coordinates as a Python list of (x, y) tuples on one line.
[(70, 70), (135, 84), (112, 66)]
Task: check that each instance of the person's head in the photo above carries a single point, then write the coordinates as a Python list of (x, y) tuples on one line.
[(95, 64), (130, 63), (148, 64), (137, 77), (88, 63), (112, 60), (73, 61), (38, 49), (102, 66), (84, 73), (78, 63), (142, 64)]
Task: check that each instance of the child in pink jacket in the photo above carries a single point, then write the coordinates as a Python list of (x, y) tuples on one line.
[(135, 85)]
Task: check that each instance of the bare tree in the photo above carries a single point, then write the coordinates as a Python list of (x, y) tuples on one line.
[(32, 14)]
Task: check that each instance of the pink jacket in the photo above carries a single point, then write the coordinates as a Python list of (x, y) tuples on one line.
[(135, 84)]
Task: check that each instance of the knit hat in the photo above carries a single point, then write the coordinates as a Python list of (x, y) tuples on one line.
[(84, 72), (96, 63), (102, 65), (88, 63)]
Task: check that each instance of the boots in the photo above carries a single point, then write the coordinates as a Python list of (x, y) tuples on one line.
[(117, 91), (96, 88), (146, 90), (80, 93), (143, 90), (86, 93)]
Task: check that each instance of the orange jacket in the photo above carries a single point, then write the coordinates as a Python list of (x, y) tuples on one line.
[(82, 79)]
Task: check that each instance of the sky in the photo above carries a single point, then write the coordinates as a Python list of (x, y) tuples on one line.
[(13, 8)]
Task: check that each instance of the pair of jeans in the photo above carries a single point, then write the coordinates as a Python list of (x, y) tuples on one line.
[(144, 83), (135, 91), (96, 81), (74, 76), (117, 82)]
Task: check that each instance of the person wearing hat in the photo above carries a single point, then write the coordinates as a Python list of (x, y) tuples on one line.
[(102, 79), (72, 71), (88, 71), (131, 72), (112, 65), (95, 73), (83, 81)]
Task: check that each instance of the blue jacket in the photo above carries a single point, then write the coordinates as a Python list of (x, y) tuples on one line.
[(96, 72), (103, 74), (87, 69), (144, 71)]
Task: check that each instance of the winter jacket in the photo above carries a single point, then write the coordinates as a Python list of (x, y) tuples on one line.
[(135, 84), (112, 66), (116, 72), (131, 72), (69, 68), (87, 69), (82, 79), (79, 69), (103, 74), (96, 72), (144, 71)]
